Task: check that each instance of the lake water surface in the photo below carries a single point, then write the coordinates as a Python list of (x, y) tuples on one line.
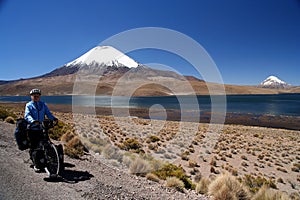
[(282, 104)]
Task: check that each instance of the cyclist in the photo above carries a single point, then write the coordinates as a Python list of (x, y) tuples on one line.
[(35, 112)]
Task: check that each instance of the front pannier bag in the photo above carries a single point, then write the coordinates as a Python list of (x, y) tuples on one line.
[(21, 134)]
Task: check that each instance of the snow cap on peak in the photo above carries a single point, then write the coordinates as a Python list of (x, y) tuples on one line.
[(274, 81), (274, 78), (106, 55)]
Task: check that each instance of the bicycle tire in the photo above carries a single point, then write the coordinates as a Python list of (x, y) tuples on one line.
[(52, 160)]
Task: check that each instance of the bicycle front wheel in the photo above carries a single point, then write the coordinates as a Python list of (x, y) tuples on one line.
[(52, 160)]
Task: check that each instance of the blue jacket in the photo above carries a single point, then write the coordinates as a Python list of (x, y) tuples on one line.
[(36, 111)]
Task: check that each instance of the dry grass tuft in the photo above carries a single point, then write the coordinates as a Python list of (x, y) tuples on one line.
[(140, 167), (131, 144), (202, 186), (281, 169), (280, 180), (67, 136), (176, 183), (10, 120), (193, 164), (111, 152), (255, 183), (213, 162), (266, 193), (127, 160), (156, 164), (152, 177), (227, 187), (295, 196), (153, 138), (296, 167), (74, 148), (171, 170), (59, 130), (4, 113), (197, 177)]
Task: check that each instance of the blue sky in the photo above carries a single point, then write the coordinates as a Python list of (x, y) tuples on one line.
[(248, 39)]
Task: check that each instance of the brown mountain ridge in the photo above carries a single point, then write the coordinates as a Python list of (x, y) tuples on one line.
[(105, 70), (64, 85)]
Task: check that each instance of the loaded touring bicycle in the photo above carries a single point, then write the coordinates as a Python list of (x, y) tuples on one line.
[(43, 152)]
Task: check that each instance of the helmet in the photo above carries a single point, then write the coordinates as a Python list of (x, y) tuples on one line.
[(35, 91)]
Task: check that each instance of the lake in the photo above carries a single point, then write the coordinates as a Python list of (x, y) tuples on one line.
[(282, 104)]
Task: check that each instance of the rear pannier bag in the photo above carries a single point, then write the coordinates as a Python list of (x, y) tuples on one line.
[(21, 134)]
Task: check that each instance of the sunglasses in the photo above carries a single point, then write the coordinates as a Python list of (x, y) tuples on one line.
[(36, 95)]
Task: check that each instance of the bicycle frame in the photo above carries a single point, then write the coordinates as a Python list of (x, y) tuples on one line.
[(52, 163)]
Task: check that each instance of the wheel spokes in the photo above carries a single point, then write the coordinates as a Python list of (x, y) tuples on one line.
[(52, 160)]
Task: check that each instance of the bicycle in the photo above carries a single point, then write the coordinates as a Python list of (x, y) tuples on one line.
[(46, 154)]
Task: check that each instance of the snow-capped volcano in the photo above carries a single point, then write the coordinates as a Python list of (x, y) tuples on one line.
[(274, 82), (104, 55), (99, 60)]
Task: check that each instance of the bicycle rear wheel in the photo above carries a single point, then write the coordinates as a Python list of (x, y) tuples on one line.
[(52, 160)]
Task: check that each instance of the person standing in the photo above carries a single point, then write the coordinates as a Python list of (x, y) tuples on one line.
[(35, 112)]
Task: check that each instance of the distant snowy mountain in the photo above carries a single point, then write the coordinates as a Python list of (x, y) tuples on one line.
[(274, 82), (98, 60), (104, 55)]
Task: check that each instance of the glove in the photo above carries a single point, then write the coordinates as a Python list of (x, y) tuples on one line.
[(55, 121)]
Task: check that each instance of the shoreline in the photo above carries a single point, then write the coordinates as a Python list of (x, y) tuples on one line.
[(246, 119)]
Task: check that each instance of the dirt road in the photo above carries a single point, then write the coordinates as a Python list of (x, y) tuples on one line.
[(83, 179)]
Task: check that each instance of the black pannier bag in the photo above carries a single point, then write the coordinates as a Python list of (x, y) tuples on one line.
[(21, 134)]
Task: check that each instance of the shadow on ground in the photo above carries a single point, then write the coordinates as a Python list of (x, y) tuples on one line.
[(70, 176)]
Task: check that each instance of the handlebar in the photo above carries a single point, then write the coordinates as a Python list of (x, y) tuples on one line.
[(46, 124)]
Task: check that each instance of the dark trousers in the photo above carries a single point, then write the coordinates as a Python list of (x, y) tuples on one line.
[(35, 137), (36, 154)]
